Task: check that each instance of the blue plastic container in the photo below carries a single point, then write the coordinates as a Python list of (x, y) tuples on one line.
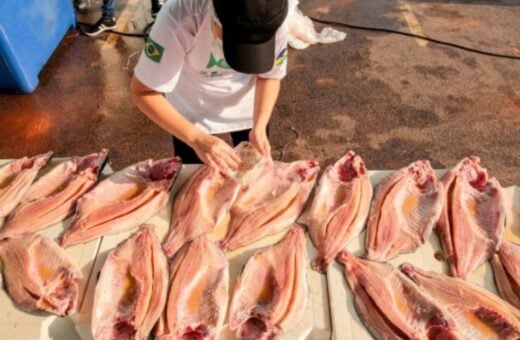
[(30, 31)]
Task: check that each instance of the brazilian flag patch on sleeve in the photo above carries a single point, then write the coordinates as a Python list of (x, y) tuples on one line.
[(153, 50)]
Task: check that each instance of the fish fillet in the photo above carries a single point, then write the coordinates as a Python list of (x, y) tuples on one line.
[(340, 208), (38, 275), (472, 220), (123, 201), (131, 292), (392, 306), (270, 203), (478, 313), (15, 179), (506, 265), (198, 293), (53, 196), (206, 197), (270, 296), (406, 206)]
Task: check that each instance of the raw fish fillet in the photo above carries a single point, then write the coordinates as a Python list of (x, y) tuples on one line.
[(123, 201), (340, 208), (392, 306), (472, 220), (206, 197), (478, 313), (53, 196), (270, 203), (131, 292), (270, 296), (506, 265), (15, 179), (38, 275), (406, 207), (198, 293)]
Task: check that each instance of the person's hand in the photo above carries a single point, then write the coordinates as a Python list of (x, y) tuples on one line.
[(216, 153), (258, 137)]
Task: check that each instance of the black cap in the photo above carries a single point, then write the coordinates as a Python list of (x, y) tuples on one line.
[(248, 32)]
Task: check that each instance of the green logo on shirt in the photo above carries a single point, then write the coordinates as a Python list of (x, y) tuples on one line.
[(282, 56), (153, 50), (214, 62)]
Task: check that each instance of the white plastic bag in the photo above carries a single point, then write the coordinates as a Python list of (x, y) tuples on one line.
[(302, 32)]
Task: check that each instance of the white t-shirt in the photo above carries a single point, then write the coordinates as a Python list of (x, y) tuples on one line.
[(183, 59)]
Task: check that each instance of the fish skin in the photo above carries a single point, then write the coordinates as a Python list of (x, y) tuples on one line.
[(38, 275), (206, 197), (53, 196), (270, 296), (131, 292), (468, 236), (198, 294), (122, 201), (15, 179), (392, 306), (478, 313), (270, 203), (339, 209), (406, 206), (506, 266)]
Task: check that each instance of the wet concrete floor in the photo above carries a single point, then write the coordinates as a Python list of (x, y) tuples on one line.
[(391, 98)]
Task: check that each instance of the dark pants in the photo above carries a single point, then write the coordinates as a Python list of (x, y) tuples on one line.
[(188, 155), (108, 8)]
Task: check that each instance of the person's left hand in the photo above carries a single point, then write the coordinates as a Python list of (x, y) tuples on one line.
[(258, 137)]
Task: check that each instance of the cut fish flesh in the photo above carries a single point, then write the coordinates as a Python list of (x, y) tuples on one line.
[(206, 197), (198, 293), (199, 206), (392, 306), (15, 179), (270, 203), (123, 201), (53, 196), (340, 208), (132, 288), (473, 217), (406, 206), (270, 296), (38, 275), (478, 313), (506, 265)]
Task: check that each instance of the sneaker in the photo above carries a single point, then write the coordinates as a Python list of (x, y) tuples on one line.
[(156, 7), (101, 26), (80, 4)]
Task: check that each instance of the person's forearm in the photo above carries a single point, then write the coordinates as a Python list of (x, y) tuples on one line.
[(266, 94), (157, 108)]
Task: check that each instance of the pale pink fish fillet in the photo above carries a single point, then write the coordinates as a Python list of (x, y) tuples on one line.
[(270, 296), (478, 313), (132, 288), (206, 197), (473, 217), (392, 306), (198, 293), (340, 208), (53, 196), (38, 275), (506, 265), (15, 179), (406, 206), (123, 201), (271, 202)]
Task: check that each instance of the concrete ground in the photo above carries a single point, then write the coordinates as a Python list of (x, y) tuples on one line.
[(391, 98)]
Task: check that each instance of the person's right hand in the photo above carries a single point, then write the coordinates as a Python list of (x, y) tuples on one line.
[(216, 153)]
